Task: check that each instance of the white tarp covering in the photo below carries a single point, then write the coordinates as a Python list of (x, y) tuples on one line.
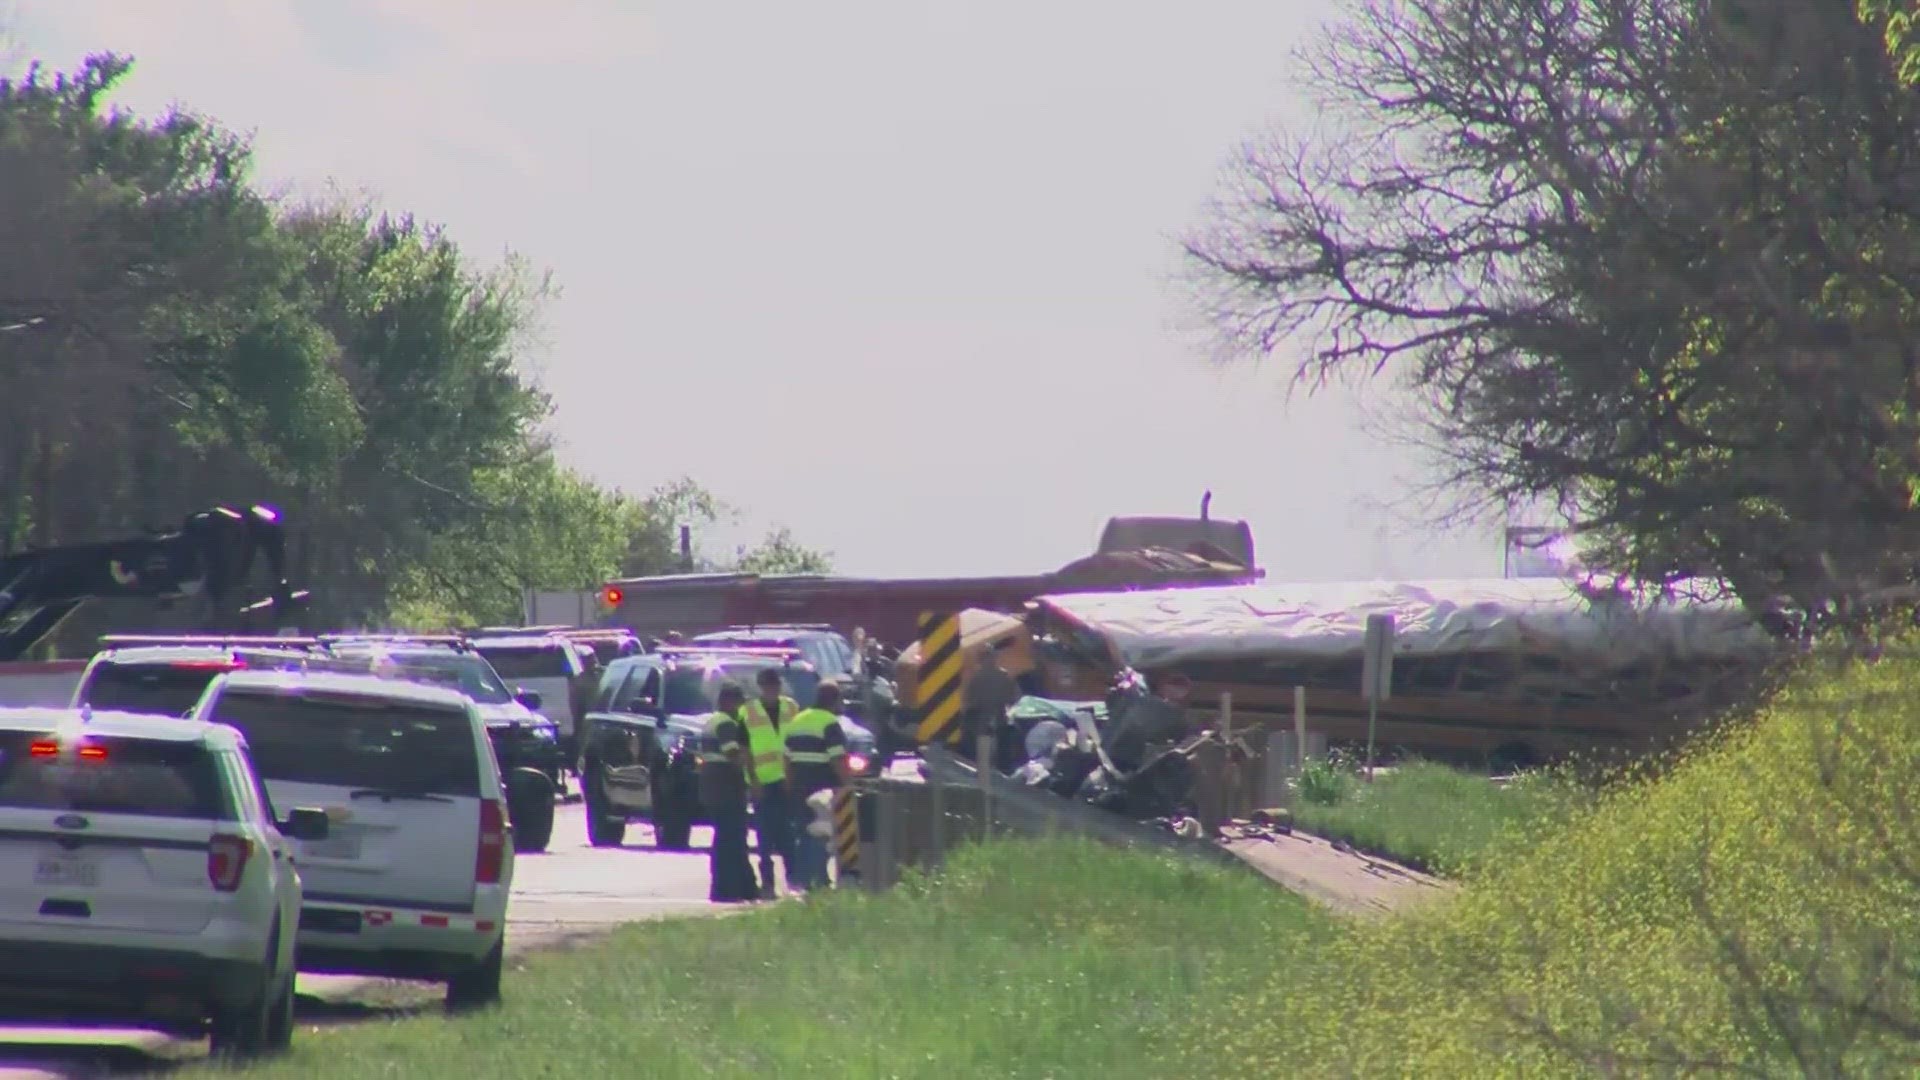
[(1165, 626)]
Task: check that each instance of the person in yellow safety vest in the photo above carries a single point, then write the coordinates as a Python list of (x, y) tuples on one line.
[(816, 762), (724, 783), (765, 717)]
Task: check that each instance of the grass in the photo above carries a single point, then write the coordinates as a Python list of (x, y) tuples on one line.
[(1029, 959), (1428, 816), (1753, 909)]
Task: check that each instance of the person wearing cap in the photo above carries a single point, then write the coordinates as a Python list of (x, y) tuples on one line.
[(765, 718), (816, 762), (725, 772)]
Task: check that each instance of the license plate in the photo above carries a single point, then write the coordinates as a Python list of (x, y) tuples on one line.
[(66, 871), (334, 847)]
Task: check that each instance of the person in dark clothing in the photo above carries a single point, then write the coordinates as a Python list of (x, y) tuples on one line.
[(723, 792)]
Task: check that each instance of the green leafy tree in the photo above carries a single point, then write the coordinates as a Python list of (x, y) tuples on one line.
[(779, 553), (171, 339)]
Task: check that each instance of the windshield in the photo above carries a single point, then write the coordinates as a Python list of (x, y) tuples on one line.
[(519, 662), (691, 687), (160, 778), (468, 674), (355, 742), (161, 689)]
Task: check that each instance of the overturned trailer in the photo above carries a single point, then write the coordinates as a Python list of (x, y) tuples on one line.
[(1503, 671)]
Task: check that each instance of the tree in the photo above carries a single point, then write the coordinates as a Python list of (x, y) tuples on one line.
[(544, 527), (428, 345), (654, 536), (170, 339), (1899, 21), (1649, 261), (779, 553)]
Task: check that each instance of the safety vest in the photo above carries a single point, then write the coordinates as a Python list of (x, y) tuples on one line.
[(712, 750), (807, 738), (764, 740)]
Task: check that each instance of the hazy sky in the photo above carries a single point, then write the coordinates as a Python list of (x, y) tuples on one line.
[(892, 274)]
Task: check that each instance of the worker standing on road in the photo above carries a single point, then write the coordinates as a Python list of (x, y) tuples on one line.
[(816, 762), (725, 768), (766, 718)]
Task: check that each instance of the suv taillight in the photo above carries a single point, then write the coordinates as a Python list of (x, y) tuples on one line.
[(227, 861), (493, 842)]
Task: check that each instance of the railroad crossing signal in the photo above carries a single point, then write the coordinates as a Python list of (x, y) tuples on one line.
[(937, 683)]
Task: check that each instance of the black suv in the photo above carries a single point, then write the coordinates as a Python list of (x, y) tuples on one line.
[(640, 739), (867, 684)]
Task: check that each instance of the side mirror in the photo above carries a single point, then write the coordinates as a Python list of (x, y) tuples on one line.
[(306, 823), (528, 698)]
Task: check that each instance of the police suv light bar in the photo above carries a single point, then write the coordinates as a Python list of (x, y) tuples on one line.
[(397, 639), (211, 640), (720, 650)]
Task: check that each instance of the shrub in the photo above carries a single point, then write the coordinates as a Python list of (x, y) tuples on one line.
[(1754, 909)]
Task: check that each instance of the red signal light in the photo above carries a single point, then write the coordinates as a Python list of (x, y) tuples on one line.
[(45, 748), (93, 753), (611, 596)]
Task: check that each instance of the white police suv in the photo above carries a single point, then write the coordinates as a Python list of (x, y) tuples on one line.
[(413, 878), (144, 879)]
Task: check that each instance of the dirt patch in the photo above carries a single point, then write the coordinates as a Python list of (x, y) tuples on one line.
[(1336, 875)]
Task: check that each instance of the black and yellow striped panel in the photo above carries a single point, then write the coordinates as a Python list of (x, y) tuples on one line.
[(937, 683), (846, 832)]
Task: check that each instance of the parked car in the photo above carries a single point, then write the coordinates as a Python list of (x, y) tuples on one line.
[(144, 878), (547, 664), (830, 653), (640, 741), (525, 744), (166, 674), (413, 880)]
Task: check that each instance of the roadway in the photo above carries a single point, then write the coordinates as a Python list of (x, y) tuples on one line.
[(571, 892)]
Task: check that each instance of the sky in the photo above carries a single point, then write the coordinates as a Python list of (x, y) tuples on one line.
[(896, 276)]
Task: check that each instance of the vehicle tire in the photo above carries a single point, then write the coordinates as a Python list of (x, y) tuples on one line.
[(603, 829), (251, 1028), (672, 828), (280, 1018), (530, 808), (478, 986)]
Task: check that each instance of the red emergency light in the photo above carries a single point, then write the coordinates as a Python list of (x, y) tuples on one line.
[(612, 595), (46, 748)]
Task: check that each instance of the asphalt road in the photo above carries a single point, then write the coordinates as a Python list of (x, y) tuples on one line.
[(571, 891)]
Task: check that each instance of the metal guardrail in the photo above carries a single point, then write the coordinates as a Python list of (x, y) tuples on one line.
[(907, 824)]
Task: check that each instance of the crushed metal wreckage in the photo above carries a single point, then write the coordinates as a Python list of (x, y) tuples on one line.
[(1139, 752)]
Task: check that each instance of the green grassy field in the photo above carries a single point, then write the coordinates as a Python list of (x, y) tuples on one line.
[(1431, 817), (1042, 959), (1753, 911)]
